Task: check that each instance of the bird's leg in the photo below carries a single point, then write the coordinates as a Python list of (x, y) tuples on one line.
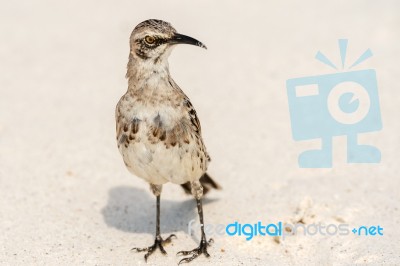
[(158, 242), (202, 249)]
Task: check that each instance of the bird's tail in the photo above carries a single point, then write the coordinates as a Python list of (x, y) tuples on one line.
[(206, 181)]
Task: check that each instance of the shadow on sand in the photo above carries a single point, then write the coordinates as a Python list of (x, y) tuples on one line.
[(134, 210)]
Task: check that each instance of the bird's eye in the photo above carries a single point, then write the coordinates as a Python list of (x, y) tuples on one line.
[(150, 39)]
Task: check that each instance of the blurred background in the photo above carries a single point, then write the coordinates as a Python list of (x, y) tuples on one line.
[(65, 195)]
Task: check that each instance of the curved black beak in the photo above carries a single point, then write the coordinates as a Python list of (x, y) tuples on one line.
[(180, 38)]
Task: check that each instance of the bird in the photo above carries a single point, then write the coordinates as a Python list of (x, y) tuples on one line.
[(158, 130)]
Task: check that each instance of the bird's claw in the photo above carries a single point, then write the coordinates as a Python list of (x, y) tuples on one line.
[(202, 249), (158, 243)]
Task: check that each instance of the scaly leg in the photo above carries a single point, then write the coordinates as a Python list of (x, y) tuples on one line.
[(202, 249), (158, 242)]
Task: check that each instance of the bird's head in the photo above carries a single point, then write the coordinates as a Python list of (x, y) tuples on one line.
[(152, 40)]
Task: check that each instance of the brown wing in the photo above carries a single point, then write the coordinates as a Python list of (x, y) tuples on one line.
[(206, 181), (193, 116), (195, 123)]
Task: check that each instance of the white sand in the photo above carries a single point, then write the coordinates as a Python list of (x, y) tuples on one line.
[(65, 195)]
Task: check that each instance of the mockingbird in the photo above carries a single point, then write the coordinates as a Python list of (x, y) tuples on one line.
[(158, 132)]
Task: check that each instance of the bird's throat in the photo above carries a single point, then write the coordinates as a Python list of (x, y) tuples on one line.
[(142, 72)]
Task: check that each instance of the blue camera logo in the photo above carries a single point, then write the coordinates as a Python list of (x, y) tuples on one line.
[(344, 103)]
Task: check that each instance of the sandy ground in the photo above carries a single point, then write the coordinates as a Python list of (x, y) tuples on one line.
[(65, 195)]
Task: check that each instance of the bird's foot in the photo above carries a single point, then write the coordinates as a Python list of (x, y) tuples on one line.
[(202, 249), (158, 243)]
